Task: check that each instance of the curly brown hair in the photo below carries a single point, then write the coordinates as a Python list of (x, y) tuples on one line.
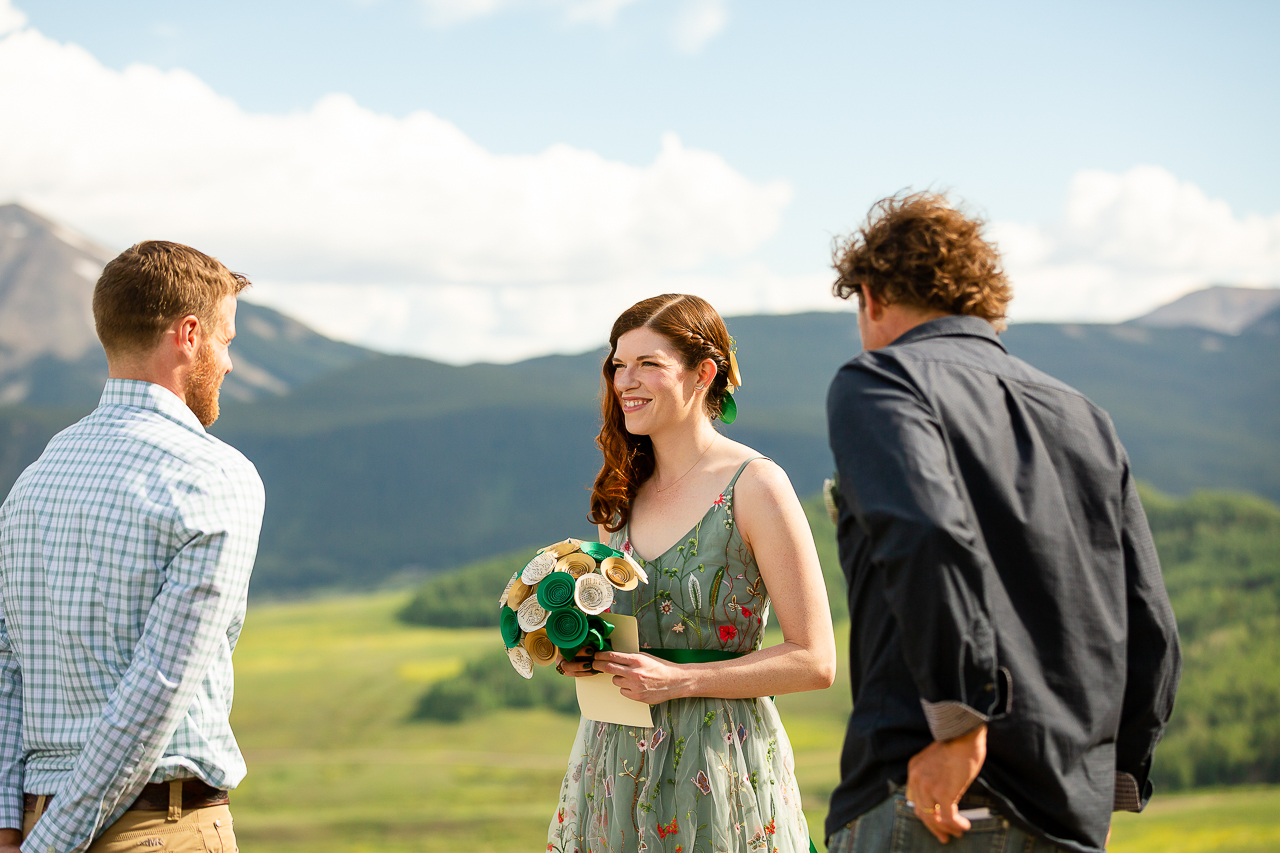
[(697, 332), (920, 251)]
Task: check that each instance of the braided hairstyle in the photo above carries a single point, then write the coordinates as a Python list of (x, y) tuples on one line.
[(697, 333)]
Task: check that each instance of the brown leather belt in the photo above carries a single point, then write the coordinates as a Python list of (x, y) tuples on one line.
[(196, 794)]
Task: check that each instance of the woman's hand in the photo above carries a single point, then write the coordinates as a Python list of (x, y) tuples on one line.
[(579, 666), (645, 678)]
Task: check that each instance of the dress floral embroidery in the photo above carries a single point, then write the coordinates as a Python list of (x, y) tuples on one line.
[(712, 775)]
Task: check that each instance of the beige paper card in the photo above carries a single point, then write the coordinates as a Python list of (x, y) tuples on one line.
[(599, 698)]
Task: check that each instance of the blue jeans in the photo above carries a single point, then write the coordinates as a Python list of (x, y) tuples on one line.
[(891, 827)]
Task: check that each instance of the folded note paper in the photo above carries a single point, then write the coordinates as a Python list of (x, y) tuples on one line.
[(599, 698)]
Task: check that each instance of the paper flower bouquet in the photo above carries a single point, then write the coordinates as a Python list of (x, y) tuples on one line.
[(552, 608)]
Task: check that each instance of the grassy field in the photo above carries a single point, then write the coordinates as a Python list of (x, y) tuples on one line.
[(323, 694)]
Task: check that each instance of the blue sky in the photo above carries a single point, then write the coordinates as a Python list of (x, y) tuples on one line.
[(1124, 153)]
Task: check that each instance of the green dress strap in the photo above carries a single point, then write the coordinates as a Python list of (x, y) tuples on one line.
[(741, 468)]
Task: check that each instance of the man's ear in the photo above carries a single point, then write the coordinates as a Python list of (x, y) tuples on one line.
[(874, 307), (188, 333)]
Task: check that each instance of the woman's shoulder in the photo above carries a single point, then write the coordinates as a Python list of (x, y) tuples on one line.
[(756, 474), (753, 468)]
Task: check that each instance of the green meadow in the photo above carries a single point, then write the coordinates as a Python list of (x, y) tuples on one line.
[(325, 690)]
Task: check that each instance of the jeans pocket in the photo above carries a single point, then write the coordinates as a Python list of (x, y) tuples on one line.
[(910, 835)]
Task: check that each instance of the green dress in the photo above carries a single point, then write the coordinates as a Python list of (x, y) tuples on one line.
[(711, 775)]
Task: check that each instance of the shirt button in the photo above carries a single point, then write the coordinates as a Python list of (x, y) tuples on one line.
[(217, 823)]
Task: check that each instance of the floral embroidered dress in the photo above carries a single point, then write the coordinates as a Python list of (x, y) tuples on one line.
[(712, 775)]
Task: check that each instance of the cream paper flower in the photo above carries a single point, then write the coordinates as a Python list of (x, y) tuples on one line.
[(635, 566), (518, 593), (593, 594), (619, 572), (521, 661), (560, 549), (531, 616), (576, 564), (541, 650), (539, 567), (502, 599)]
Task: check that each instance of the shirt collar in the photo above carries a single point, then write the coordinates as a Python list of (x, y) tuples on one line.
[(139, 394), (952, 325)]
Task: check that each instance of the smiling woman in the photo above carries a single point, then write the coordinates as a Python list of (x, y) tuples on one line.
[(725, 541)]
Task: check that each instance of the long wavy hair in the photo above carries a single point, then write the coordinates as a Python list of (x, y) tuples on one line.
[(696, 332)]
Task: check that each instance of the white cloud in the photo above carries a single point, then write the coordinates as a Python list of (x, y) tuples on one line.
[(445, 13), (461, 324), (345, 194), (1128, 243), (10, 18), (400, 233), (698, 22)]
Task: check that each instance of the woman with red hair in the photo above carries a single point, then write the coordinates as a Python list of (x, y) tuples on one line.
[(723, 539)]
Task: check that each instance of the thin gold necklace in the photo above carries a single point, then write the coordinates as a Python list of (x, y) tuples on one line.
[(662, 489)]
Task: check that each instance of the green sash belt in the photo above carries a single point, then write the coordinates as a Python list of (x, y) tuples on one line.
[(703, 656), (693, 655)]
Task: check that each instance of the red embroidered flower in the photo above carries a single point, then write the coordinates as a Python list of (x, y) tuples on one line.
[(718, 501), (746, 611), (560, 815), (769, 827), (669, 829), (727, 633)]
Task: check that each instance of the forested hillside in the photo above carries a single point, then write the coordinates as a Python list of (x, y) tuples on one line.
[(380, 465), (1220, 553)]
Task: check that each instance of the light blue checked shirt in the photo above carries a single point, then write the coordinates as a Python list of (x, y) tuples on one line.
[(125, 554)]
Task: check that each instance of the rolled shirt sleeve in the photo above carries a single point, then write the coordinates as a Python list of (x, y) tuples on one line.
[(897, 476), (204, 586)]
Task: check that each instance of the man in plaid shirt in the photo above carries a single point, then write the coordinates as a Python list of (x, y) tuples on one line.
[(125, 554)]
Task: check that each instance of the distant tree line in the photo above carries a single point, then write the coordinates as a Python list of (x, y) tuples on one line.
[(1220, 553)]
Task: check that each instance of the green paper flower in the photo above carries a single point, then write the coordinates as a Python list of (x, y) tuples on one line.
[(567, 628), (598, 550), (510, 628), (556, 591)]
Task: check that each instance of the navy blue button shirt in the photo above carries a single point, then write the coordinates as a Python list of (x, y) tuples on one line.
[(999, 569)]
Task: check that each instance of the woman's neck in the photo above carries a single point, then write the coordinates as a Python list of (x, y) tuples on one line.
[(677, 451)]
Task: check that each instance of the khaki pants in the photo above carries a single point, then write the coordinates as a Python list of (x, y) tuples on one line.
[(206, 830)]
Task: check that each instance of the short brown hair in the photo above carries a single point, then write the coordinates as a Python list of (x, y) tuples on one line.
[(918, 250), (148, 286)]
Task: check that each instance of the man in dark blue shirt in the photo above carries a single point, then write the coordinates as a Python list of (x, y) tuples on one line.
[(1013, 654)]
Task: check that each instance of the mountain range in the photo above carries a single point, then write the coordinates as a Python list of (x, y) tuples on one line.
[(378, 465)]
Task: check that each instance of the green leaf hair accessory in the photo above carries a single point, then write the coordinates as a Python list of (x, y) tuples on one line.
[(598, 550), (728, 405), (556, 591), (567, 628), (728, 409), (510, 628)]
